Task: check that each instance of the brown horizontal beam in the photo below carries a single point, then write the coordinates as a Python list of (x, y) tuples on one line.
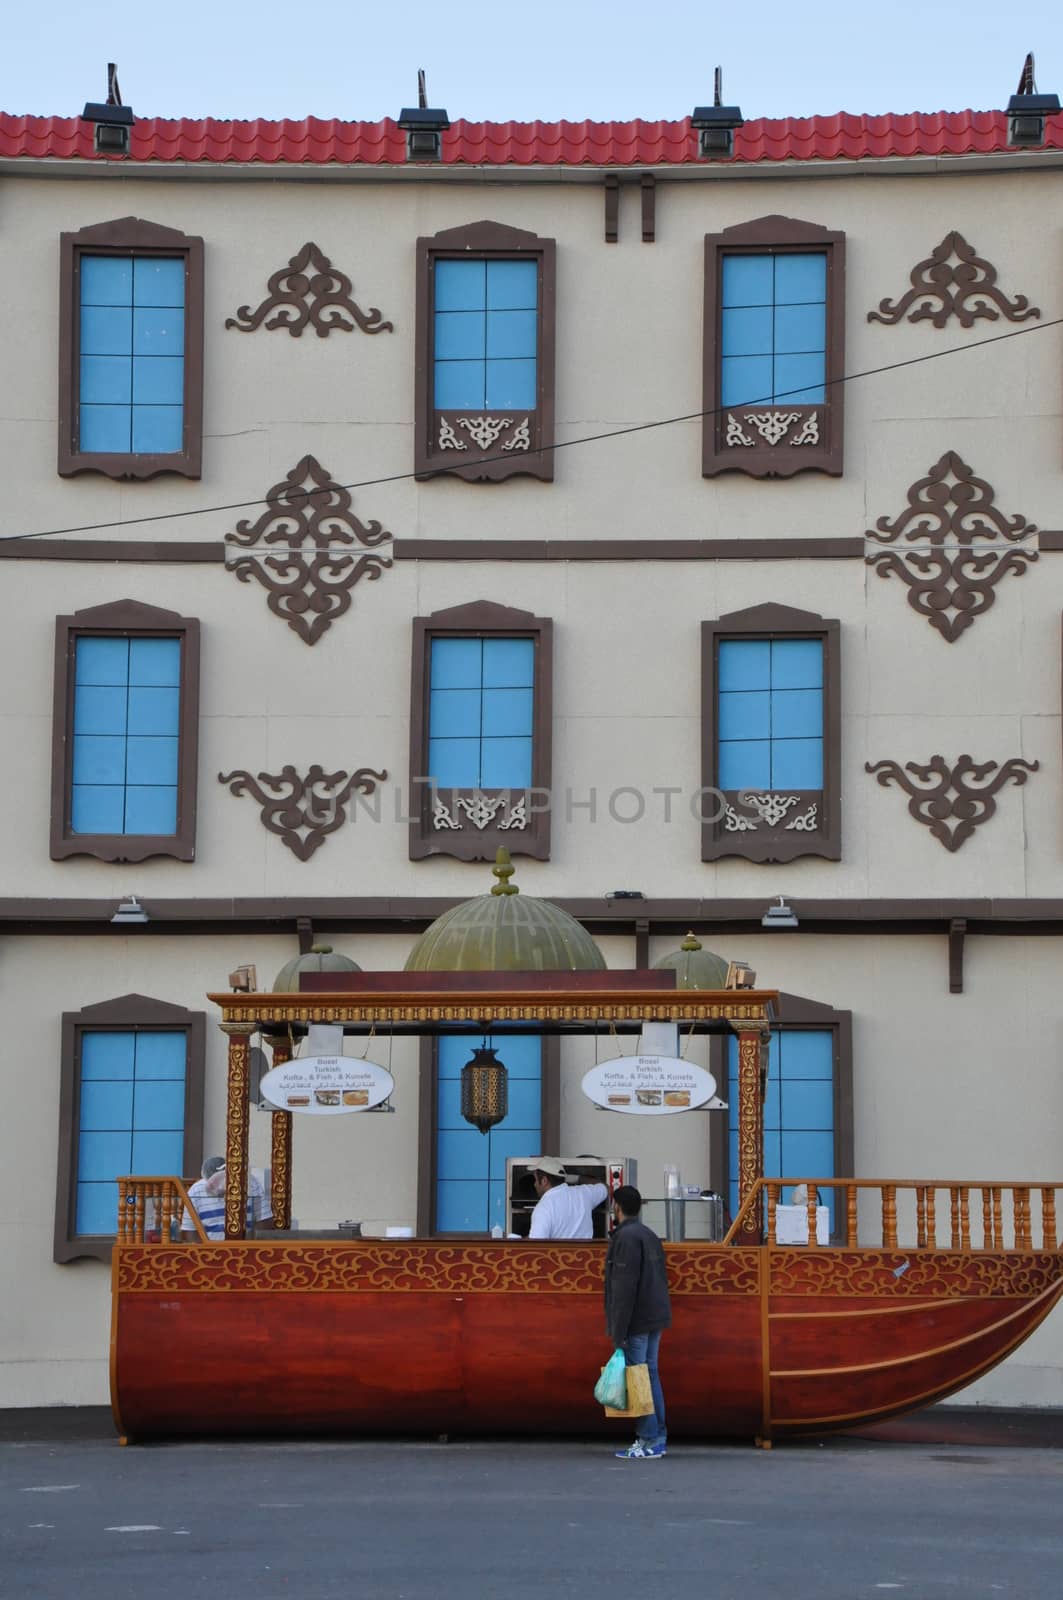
[(142, 550), (628, 549)]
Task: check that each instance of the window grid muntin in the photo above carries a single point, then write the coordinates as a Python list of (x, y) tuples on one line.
[(471, 290), (124, 1132), (803, 1061), (131, 672), (479, 662), (765, 763), (476, 1203), (153, 426), (772, 385)]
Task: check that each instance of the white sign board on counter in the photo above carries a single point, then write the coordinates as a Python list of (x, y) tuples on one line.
[(649, 1086), (326, 1086)]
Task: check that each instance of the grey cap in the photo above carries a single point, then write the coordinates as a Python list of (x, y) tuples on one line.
[(212, 1165)]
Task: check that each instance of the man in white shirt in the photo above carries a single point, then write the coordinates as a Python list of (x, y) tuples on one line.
[(564, 1210)]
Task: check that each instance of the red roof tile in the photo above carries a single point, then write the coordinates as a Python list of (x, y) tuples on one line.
[(622, 144)]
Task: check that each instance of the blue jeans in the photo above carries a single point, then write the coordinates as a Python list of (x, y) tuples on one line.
[(643, 1347)]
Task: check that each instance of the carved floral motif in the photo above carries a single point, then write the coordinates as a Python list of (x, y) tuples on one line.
[(319, 298), (480, 809), (772, 427), (810, 432), (735, 433), (933, 1273), (953, 281), (309, 580), (303, 811), (483, 431), (952, 800), (950, 578), (448, 439)]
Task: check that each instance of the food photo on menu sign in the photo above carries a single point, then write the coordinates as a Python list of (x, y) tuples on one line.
[(326, 1085), (648, 1085)]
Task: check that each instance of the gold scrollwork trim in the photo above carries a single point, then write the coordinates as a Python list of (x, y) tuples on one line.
[(754, 1007)]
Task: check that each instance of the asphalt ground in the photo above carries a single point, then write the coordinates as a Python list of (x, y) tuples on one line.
[(966, 1506)]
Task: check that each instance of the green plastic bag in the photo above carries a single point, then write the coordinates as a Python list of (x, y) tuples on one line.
[(611, 1388)]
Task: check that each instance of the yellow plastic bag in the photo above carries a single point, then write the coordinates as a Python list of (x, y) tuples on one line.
[(639, 1394)]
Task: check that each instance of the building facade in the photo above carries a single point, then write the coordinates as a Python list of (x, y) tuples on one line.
[(688, 524)]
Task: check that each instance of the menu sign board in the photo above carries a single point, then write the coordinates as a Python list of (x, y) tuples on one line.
[(326, 1086), (648, 1086)]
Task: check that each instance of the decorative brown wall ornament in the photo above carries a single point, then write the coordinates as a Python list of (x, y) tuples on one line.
[(309, 588), (320, 298), (943, 284), (303, 811), (952, 800), (950, 578)]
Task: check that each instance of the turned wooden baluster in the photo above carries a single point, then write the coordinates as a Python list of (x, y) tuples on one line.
[(773, 1200), (1048, 1219), (965, 1218), (920, 1217), (851, 1237), (1023, 1231), (889, 1215), (813, 1218), (123, 1213), (998, 1220), (166, 1213), (987, 1221), (931, 1218), (954, 1217)]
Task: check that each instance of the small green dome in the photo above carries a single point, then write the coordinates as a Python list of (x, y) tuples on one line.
[(319, 958), (505, 931), (695, 968)]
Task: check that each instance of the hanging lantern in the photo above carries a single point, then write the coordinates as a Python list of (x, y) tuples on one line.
[(484, 1090)]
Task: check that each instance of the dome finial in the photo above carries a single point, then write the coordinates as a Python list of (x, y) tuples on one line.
[(503, 870), (691, 942)]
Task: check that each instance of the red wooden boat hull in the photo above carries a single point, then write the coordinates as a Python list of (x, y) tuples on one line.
[(495, 1337)]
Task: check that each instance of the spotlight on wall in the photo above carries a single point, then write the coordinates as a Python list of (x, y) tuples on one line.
[(244, 980), (780, 915), (130, 910), (715, 125), (112, 120), (739, 976), (1029, 111)]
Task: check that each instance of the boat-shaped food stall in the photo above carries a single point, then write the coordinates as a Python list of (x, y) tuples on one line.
[(926, 1284)]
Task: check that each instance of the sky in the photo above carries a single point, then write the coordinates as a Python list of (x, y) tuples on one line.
[(499, 60)]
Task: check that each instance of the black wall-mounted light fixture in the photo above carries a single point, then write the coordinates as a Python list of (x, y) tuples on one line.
[(716, 125), (423, 126), (113, 121), (1028, 111), (484, 1089)]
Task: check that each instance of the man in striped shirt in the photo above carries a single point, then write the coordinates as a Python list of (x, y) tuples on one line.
[(208, 1197)]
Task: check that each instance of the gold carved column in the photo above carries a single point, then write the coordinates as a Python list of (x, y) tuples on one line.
[(237, 1118), (752, 1082), (281, 1150)]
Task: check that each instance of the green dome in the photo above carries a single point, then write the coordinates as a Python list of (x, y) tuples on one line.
[(319, 958), (695, 968), (505, 931)]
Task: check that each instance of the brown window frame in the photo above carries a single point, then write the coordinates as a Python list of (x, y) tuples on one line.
[(492, 241), (129, 236), (481, 619), (128, 1013), (757, 458), (134, 620), (794, 1013), (781, 841)]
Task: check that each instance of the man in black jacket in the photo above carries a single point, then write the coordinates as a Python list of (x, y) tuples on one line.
[(637, 1308)]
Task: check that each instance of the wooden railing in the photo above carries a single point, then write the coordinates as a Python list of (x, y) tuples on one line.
[(911, 1213), (150, 1211)]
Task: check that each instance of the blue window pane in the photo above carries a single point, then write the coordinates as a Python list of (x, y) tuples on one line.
[(106, 1105), (107, 1055), (158, 1153), (151, 761), (461, 1207), (795, 763), (512, 285), (448, 1106), (508, 662), (505, 1142), (153, 710), (158, 1103), (745, 380), (745, 764), (525, 1104), (106, 281), (104, 430), (808, 1054), (807, 1103), (512, 333), (496, 1203), (460, 335), (102, 660), (106, 331), (159, 281), (154, 661), (746, 331), (97, 1208), (797, 713), (506, 764), (99, 759), (160, 1055), (106, 380), (799, 379), (511, 385), (507, 712), (157, 430), (460, 285), (800, 277), (99, 710), (746, 715), (102, 1157), (796, 664), (96, 809), (799, 328), (747, 280), (772, 1104), (772, 1155), (453, 1052), (808, 1155), (523, 1056), (454, 763), (456, 663), (459, 385), (454, 713), (744, 664), (159, 331), (158, 380), (151, 810), (461, 1153)]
